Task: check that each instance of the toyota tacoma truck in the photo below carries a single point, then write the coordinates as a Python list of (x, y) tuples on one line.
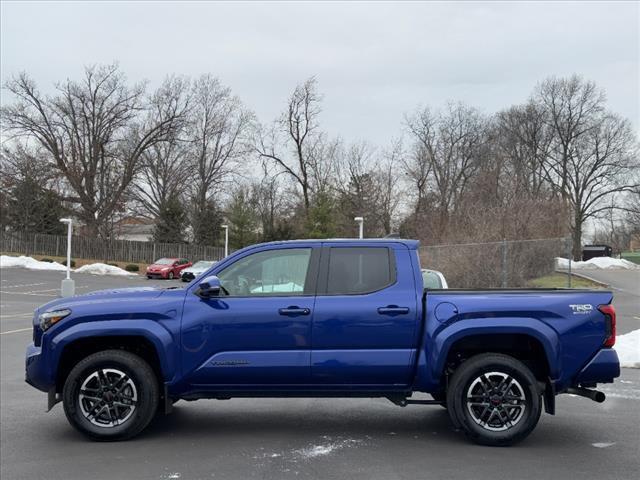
[(324, 318)]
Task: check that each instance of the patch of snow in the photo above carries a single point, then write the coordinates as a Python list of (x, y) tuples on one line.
[(321, 450), (597, 263), (317, 450), (628, 348), (603, 444), (102, 269), (7, 261)]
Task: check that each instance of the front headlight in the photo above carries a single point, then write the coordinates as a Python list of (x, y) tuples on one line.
[(49, 318)]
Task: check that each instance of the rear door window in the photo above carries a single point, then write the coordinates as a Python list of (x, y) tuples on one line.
[(359, 270)]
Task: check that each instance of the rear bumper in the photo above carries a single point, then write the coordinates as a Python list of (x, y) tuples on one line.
[(602, 368)]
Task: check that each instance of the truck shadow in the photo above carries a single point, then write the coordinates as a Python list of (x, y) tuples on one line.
[(209, 421)]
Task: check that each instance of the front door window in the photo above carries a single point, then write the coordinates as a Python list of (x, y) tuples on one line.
[(268, 273)]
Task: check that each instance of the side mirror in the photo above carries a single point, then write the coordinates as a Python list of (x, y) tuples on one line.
[(209, 286)]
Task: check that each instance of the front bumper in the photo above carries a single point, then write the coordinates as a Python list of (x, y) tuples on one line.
[(157, 274), (602, 368), (36, 373)]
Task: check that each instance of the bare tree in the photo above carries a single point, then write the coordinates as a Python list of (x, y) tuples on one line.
[(523, 138), (164, 167), (298, 125), (389, 195), (570, 106), (593, 153), (366, 184), (448, 148), (95, 130), (215, 132), (603, 164), (274, 212)]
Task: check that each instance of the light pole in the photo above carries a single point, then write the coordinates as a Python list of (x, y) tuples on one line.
[(360, 221), (226, 239), (68, 286)]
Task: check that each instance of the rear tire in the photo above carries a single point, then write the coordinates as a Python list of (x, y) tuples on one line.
[(111, 395), (494, 399)]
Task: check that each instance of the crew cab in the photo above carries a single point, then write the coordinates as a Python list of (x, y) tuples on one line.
[(322, 318)]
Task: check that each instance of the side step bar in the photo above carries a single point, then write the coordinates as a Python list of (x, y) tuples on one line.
[(403, 402)]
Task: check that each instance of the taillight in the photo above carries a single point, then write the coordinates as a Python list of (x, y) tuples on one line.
[(609, 324)]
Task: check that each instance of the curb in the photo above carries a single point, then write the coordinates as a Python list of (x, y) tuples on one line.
[(582, 275)]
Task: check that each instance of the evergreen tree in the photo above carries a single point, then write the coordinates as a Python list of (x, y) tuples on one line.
[(321, 219), (243, 220), (171, 222), (31, 208), (206, 220)]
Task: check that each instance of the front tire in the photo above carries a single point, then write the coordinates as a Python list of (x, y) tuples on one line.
[(494, 399), (170, 275), (111, 395)]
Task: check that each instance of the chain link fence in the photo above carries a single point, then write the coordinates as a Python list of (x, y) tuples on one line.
[(505, 264), (104, 249)]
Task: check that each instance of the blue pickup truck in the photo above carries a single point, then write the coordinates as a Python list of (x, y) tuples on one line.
[(324, 318)]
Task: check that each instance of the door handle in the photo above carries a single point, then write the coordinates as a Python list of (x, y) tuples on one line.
[(294, 311), (393, 310)]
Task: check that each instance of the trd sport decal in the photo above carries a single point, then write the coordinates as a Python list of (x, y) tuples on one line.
[(581, 308)]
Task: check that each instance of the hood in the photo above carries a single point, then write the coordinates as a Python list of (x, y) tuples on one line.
[(117, 294), (158, 267), (196, 269)]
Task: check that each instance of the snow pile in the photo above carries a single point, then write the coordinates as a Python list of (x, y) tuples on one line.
[(597, 263), (7, 261), (102, 269), (628, 348), (30, 263)]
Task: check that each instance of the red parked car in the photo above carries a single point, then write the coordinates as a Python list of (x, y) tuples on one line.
[(167, 268)]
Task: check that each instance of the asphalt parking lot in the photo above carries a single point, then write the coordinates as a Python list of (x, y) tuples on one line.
[(625, 285), (294, 438)]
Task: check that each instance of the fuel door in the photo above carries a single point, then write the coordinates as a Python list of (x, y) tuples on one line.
[(445, 311)]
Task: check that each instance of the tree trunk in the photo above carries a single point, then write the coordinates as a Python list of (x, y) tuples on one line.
[(576, 237)]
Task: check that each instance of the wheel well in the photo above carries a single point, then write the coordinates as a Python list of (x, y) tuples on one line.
[(524, 347), (82, 348)]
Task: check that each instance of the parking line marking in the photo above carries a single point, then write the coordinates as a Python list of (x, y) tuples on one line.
[(15, 315), (27, 293), (16, 331), (25, 285)]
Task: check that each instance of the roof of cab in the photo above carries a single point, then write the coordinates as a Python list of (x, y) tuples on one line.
[(410, 244)]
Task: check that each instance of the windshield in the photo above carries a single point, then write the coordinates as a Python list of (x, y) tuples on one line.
[(202, 264), (164, 261)]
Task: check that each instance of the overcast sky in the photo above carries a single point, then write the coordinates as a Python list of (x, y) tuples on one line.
[(374, 61)]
